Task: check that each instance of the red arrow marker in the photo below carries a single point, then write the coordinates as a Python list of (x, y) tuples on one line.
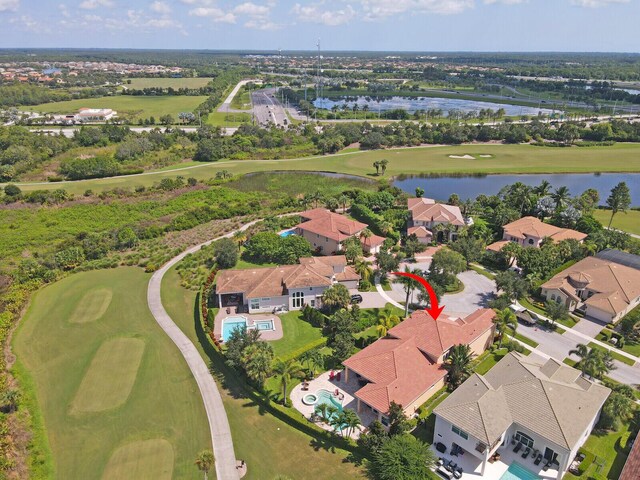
[(434, 311)]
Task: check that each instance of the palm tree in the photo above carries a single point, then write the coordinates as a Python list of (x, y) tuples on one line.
[(365, 109), (458, 364), (543, 189), (313, 359), (383, 165), (363, 269), (376, 165), (315, 197), (334, 109), (322, 411), (561, 196), (256, 361), (204, 461), (504, 320), (240, 237), (343, 200), (386, 321), (409, 285), (287, 370), (349, 420), (593, 362)]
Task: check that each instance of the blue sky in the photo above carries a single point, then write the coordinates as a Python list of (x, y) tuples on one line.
[(420, 25)]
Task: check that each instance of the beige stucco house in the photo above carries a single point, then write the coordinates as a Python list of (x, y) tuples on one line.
[(426, 214), (530, 231)]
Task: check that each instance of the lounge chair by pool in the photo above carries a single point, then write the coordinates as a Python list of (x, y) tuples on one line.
[(518, 447), (526, 453)]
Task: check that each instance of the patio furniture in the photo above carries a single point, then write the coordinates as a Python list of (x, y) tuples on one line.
[(526, 452), (546, 466), (338, 375), (517, 447), (538, 459), (331, 375), (443, 472), (440, 447)]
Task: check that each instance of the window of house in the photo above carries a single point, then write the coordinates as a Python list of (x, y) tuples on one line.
[(531, 241), (385, 421), (459, 432), (255, 303), (553, 296), (312, 303), (298, 299), (524, 439)]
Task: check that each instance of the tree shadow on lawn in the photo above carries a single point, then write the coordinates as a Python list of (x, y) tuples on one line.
[(235, 385)]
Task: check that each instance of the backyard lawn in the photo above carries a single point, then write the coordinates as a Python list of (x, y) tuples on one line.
[(296, 334), (433, 159), (268, 445), (116, 397), (609, 451), (628, 221)]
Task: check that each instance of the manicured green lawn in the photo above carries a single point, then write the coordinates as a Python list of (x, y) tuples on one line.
[(609, 450), (129, 106), (176, 83), (505, 159), (488, 359), (567, 322), (628, 221), (614, 354), (268, 445), (224, 119), (296, 334), (149, 403)]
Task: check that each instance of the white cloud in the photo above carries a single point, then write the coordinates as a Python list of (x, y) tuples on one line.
[(93, 4), (505, 2), (596, 3), (262, 24), (160, 7), (251, 9), (64, 11), (216, 14), (27, 22), (376, 9), (9, 5), (317, 14)]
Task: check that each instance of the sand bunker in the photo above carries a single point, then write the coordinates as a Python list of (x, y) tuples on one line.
[(463, 157), (486, 156)]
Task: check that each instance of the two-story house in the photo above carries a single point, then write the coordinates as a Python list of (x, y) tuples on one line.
[(406, 366), (426, 215), (530, 231), (546, 407)]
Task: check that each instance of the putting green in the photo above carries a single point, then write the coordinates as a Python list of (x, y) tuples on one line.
[(110, 377), (147, 459), (92, 306)]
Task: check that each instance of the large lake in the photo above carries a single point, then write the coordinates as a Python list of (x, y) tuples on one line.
[(411, 104), (470, 187)]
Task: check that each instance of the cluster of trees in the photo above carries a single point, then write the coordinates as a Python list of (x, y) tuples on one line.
[(16, 94), (395, 454), (269, 247)]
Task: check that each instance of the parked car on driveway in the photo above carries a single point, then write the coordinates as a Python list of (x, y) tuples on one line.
[(357, 298)]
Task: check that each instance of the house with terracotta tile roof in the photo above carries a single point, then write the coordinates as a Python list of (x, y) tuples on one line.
[(426, 213), (530, 231), (407, 366), (631, 469), (543, 410), (326, 231), (260, 290), (601, 288)]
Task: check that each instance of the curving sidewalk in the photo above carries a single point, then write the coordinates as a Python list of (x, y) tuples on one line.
[(225, 459)]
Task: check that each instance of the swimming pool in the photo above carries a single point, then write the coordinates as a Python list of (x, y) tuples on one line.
[(288, 233), (327, 398), (518, 472), (229, 324)]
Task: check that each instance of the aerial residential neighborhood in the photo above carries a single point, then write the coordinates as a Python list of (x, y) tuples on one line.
[(311, 240)]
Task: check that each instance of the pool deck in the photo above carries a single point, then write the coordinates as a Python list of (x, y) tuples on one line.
[(267, 335), (346, 389), (472, 466)]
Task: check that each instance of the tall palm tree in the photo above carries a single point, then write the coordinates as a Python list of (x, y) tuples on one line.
[(543, 189), (363, 269), (408, 285), (343, 200), (365, 109), (458, 364), (287, 370), (313, 359), (256, 361), (322, 411), (386, 321), (593, 362), (240, 237), (383, 165), (504, 320), (561, 196), (347, 421), (204, 461)]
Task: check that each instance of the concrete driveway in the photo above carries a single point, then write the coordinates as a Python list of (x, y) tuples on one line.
[(588, 326), (558, 346), (478, 290)]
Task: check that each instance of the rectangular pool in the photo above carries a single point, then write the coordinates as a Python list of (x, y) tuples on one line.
[(229, 324), (264, 325), (518, 472)]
